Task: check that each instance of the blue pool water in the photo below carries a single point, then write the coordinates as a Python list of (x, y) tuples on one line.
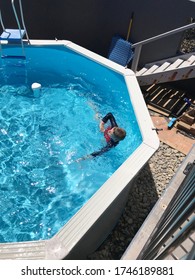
[(41, 185)]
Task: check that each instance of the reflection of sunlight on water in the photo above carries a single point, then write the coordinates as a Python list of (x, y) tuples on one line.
[(51, 189), (40, 142), (69, 155), (3, 131)]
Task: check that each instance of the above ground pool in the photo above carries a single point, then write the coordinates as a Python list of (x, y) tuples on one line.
[(45, 192)]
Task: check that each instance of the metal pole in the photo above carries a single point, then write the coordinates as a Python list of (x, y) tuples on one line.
[(18, 23), (22, 17), (139, 45), (136, 58)]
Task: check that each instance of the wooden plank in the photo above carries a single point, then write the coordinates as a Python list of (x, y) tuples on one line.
[(153, 98), (159, 97), (165, 100), (178, 101), (165, 97), (152, 108), (152, 93), (149, 88), (169, 100)]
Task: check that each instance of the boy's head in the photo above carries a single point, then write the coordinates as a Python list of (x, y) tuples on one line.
[(117, 133)]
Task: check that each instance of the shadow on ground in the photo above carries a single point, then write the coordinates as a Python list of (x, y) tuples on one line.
[(140, 201)]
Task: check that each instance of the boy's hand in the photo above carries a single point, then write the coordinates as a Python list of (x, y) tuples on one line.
[(102, 129)]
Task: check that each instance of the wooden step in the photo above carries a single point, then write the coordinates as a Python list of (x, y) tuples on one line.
[(140, 72), (162, 67), (188, 62), (150, 70), (174, 65), (171, 69)]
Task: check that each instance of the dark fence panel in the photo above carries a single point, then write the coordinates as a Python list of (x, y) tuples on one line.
[(92, 23)]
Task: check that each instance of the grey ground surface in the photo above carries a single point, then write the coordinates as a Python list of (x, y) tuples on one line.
[(149, 186)]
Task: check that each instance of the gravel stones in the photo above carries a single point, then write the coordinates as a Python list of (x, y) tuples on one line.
[(188, 43), (149, 186)]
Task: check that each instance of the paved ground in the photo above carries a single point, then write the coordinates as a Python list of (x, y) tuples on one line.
[(171, 137)]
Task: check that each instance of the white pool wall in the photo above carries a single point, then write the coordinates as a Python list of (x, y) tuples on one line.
[(87, 229)]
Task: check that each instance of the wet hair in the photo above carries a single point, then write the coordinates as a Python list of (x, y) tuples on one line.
[(119, 133)]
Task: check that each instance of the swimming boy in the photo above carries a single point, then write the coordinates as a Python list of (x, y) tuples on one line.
[(113, 135)]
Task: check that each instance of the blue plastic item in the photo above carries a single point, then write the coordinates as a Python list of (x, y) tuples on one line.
[(172, 122), (120, 51), (12, 34)]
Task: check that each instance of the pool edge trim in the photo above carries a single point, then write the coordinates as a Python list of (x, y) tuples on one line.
[(62, 242)]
